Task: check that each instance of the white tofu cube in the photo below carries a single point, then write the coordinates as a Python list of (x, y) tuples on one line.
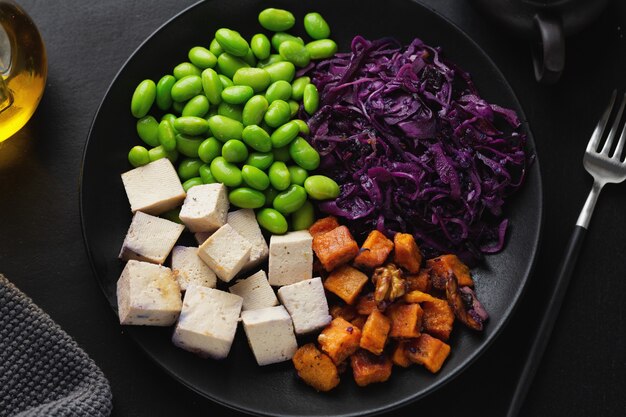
[(205, 208), (148, 294), (201, 237), (306, 303), (189, 269), (207, 322), (256, 292), (225, 252), (270, 334), (150, 238), (291, 258), (244, 222), (153, 188)]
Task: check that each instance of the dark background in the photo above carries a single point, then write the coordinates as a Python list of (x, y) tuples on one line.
[(41, 249)]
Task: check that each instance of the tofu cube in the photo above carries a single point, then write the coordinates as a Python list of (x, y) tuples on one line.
[(225, 252), (205, 208), (306, 303), (150, 238), (189, 269), (291, 258), (270, 334), (153, 188), (148, 294), (207, 322), (256, 292), (244, 222)]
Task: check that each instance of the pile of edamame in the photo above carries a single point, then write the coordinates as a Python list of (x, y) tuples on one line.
[(230, 117)]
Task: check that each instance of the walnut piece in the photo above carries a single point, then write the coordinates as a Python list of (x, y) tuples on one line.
[(389, 282)]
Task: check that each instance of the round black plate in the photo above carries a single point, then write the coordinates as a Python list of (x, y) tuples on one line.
[(237, 381)]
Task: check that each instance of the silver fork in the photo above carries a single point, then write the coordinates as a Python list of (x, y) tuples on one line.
[(605, 167)]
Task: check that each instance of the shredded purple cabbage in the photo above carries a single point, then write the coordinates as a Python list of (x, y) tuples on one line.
[(414, 148)]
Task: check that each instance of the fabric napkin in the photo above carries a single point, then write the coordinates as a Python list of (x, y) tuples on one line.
[(43, 372)]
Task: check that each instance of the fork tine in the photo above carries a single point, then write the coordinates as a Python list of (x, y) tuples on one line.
[(620, 143), (597, 133), (609, 140)]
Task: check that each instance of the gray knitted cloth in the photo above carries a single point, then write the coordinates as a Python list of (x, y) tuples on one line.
[(43, 372)]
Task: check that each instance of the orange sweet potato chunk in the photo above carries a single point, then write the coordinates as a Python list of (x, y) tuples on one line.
[(416, 296), (407, 254), (400, 356), (323, 225), (438, 318), (374, 251), (335, 247), (368, 368), (374, 333), (339, 339), (315, 368), (346, 282), (406, 320), (443, 266), (346, 312), (428, 351), (366, 304), (420, 281)]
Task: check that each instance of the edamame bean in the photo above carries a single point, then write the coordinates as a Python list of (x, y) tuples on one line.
[(297, 88), (254, 177), (278, 113), (272, 59), (188, 145), (260, 46), (192, 182), (261, 160), (202, 57), (237, 94), (272, 221), (143, 98), (226, 82), (311, 99), (281, 71), (232, 42), (245, 197), (225, 172), (209, 149), (197, 106), (164, 92), (191, 125), (189, 168), (276, 20), (167, 135), (323, 48), (315, 26), (139, 156), (159, 152), (184, 69), (279, 90), (148, 130), (304, 154), (284, 134), (250, 59), (257, 78), (294, 107), (295, 53), (304, 128), (281, 37), (254, 110), (206, 175), (257, 138), (215, 48), (290, 200), (304, 217), (279, 176), (320, 187), (298, 174), (212, 86), (225, 128), (234, 151), (228, 64), (186, 88), (169, 117), (232, 111)]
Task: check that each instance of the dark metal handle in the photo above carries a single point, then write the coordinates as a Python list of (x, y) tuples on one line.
[(547, 323), (549, 54)]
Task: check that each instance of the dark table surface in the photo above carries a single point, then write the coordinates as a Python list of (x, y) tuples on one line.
[(41, 248)]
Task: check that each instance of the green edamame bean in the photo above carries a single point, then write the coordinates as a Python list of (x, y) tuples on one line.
[(276, 20), (250, 59), (245, 197), (281, 71), (159, 152), (315, 26), (232, 42), (257, 138), (290, 200), (232, 111), (304, 154), (234, 151), (212, 86), (281, 37), (254, 177), (225, 172), (278, 113), (311, 99), (320, 187), (260, 46), (272, 221), (254, 110), (143, 98), (192, 182), (304, 128), (323, 48), (257, 78), (261, 160), (304, 217), (215, 48), (237, 94), (197, 106), (298, 174), (272, 59), (138, 156), (164, 92), (228, 64), (209, 149), (294, 107), (169, 117), (284, 134), (297, 88), (202, 57), (226, 82), (148, 130), (295, 53), (225, 128), (279, 90), (184, 69), (279, 175), (186, 88), (191, 125), (270, 195), (281, 154), (189, 168), (206, 175), (167, 135), (188, 145)]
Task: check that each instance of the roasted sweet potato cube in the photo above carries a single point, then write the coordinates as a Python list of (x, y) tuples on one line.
[(406, 252), (339, 339), (368, 368), (438, 318), (359, 321), (315, 368), (441, 268), (323, 225), (375, 332), (418, 297), (400, 356), (419, 281), (346, 282), (335, 247), (406, 320), (366, 304), (428, 351), (346, 312), (374, 251)]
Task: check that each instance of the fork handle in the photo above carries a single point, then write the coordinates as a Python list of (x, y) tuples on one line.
[(549, 318)]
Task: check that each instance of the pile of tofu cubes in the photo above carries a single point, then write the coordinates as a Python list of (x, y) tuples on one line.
[(230, 245)]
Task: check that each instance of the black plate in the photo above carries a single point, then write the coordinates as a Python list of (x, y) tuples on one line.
[(238, 382)]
